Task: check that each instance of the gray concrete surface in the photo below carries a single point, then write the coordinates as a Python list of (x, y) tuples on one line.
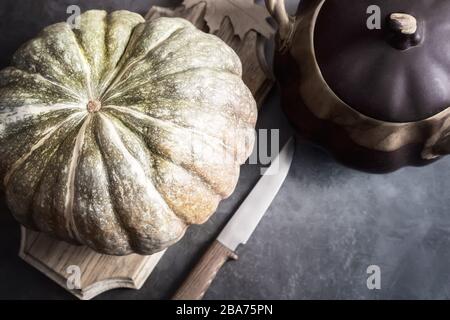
[(326, 226)]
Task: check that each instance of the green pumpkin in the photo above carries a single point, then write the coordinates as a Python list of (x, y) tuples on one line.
[(120, 134)]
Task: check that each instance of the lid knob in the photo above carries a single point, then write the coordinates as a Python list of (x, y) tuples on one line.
[(403, 23), (405, 31)]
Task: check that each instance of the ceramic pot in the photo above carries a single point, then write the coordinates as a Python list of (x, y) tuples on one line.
[(367, 79)]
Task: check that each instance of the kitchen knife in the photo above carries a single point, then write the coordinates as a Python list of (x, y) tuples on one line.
[(239, 228)]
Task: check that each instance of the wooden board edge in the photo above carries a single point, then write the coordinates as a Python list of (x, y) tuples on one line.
[(135, 281)]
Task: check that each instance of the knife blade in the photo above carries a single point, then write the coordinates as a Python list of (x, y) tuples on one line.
[(240, 227)]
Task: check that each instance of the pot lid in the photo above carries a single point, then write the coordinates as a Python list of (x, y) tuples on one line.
[(399, 72)]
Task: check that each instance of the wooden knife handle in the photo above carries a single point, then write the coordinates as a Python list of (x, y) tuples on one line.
[(201, 277)]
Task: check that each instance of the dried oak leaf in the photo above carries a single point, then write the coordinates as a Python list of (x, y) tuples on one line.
[(245, 15)]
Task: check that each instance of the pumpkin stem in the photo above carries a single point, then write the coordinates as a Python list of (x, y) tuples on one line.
[(93, 106), (405, 31)]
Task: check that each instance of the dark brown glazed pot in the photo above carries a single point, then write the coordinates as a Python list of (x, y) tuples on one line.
[(376, 98)]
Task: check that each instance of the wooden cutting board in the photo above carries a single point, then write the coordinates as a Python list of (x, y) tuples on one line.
[(86, 273)]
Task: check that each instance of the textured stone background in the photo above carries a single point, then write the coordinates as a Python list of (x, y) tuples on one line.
[(326, 226)]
